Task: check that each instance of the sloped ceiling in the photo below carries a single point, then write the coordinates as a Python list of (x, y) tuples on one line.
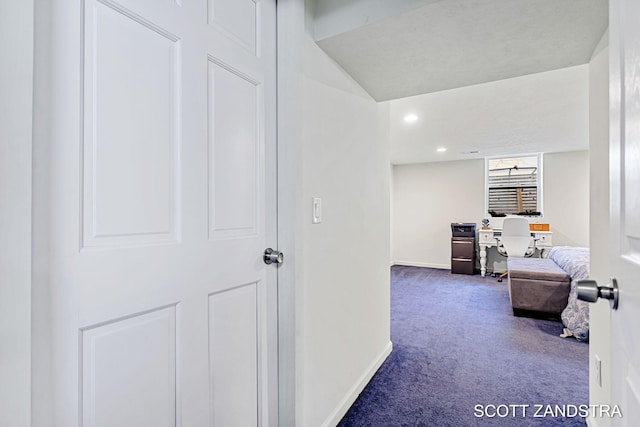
[(401, 48), (516, 66)]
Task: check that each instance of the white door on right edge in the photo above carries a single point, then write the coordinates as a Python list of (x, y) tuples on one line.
[(625, 206)]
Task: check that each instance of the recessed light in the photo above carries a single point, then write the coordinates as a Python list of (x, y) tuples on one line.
[(410, 118), (441, 150)]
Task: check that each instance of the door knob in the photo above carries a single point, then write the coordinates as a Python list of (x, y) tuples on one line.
[(588, 290), (272, 256)]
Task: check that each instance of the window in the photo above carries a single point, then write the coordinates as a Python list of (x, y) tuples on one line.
[(514, 185)]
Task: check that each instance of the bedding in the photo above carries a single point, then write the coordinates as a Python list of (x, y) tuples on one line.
[(575, 261)]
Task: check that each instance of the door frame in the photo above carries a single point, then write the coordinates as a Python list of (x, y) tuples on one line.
[(16, 118), (290, 35)]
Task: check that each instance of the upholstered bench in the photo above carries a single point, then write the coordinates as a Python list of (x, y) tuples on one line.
[(537, 284)]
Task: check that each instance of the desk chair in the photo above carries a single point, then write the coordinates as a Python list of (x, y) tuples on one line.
[(515, 239)]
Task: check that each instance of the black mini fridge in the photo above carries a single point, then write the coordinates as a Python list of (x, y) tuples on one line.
[(463, 247)]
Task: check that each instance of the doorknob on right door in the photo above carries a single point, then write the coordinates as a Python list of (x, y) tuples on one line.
[(588, 290)]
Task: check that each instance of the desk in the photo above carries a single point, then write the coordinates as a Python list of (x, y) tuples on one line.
[(491, 237)]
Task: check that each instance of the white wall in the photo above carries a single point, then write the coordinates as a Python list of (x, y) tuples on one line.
[(566, 197), (428, 197), (16, 79), (343, 318), (599, 322)]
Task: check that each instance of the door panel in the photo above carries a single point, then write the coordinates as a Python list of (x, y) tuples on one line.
[(157, 130), (131, 115), (237, 19), (234, 355), (625, 205), (139, 352), (235, 152)]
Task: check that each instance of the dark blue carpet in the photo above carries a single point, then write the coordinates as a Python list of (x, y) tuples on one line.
[(456, 344)]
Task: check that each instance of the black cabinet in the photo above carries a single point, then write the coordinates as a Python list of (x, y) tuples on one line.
[(463, 248)]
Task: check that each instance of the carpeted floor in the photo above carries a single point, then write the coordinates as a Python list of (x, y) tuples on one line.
[(456, 344)]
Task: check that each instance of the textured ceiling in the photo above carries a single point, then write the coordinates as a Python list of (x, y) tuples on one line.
[(455, 43)]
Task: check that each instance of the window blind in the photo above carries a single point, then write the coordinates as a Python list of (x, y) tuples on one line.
[(513, 191)]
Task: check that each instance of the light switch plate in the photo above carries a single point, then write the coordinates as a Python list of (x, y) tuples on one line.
[(316, 211)]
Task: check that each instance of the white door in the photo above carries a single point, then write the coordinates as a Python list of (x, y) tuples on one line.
[(625, 206), (154, 141)]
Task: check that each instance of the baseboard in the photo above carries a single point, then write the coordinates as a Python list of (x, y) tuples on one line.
[(422, 264), (355, 391)]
